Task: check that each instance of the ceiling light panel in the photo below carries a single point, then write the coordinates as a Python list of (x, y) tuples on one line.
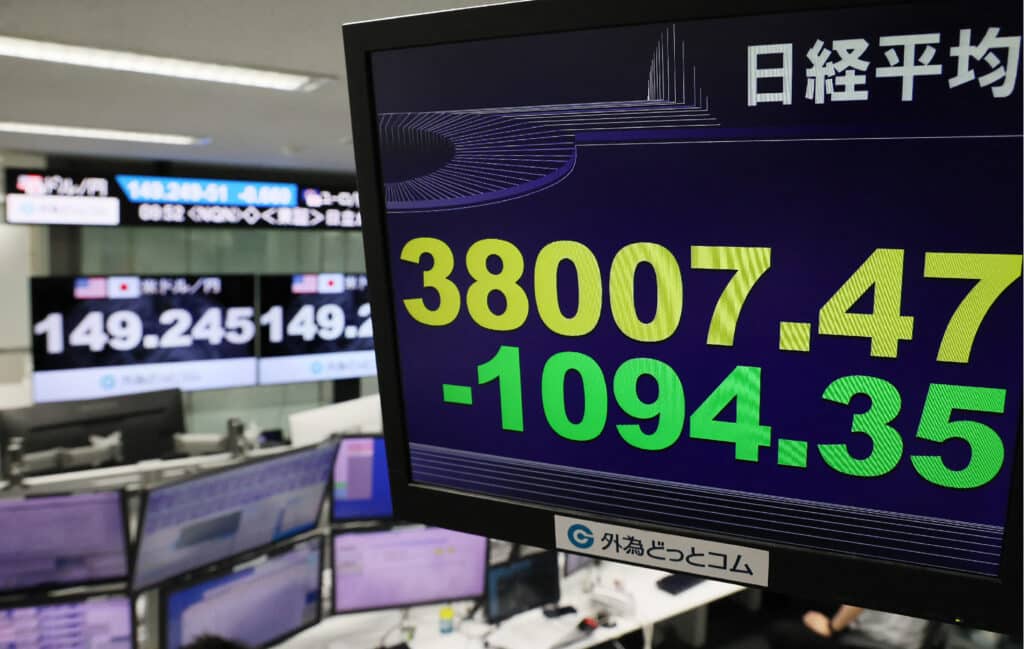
[(93, 57), (100, 134)]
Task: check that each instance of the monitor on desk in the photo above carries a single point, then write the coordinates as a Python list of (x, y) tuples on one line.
[(146, 422), (62, 540), (253, 603), (404, 567), (520, 585), (726, 277), (105, 622), (199, 521), (361, 490)]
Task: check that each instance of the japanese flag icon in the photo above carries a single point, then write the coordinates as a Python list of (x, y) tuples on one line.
[(123, 287), (331, 283)]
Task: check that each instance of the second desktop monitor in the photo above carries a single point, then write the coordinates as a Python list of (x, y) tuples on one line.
[(406, 566)]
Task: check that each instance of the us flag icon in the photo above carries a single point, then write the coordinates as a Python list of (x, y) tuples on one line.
[(123, 287), (303, 284), (90, 288)]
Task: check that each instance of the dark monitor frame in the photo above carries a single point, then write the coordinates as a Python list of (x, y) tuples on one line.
[(330, 492), (229, 567), (990, 602), (39, 590), (399, 528), (42, 600), (533, 558), (144, 496), (52, 414)]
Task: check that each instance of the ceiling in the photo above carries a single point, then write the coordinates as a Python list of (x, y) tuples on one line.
[(247, 126)]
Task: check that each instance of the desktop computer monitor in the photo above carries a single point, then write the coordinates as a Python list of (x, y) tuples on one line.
[(252, 603), (62, 540), (105, 622), (520, 585), (147, 423), (406, 566), (199, 521), (361, 488), (576, 562)]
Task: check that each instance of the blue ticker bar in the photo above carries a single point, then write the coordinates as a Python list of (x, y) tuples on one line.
[(207, 191)]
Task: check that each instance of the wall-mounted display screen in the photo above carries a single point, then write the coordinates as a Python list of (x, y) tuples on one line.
[(52, 198), (405, 567), (63, 540), (361, 490), (98, 622), (315, 327), (107, 335), (753, 280), (202, 520), (255, 604)]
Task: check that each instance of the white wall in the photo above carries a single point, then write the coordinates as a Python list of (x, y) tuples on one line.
[(23, 252)]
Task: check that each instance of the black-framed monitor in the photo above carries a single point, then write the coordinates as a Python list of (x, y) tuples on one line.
[(406, 566), (104, 335), (315, 327), (739, 283), (256, 603), (71, 435), (199, 521), (82, 621), (61, 540), (361, 489), (517, 586)]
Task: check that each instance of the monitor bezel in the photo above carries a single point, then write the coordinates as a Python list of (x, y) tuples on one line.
[(400, 527), (229, 567), (335, 521), (527, 559), (41, 600), (983, 601), (144, 501), (122, 496)]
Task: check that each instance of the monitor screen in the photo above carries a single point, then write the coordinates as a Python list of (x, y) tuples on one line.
[(576, 562), (761, 273), (522, 584), (95, 623), (62, 541), (255, 604), (200, 521), (406, 566), (362, 489), (54, 197), (315, 327), (101, 336)]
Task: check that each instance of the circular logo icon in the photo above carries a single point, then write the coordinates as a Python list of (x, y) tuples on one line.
[(581, 536), (317, 367), (107, 382)]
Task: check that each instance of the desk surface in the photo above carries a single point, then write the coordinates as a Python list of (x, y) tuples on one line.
[(367, 630)]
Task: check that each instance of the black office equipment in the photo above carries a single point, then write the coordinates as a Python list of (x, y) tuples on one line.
[(146, 423), (520, 585), (675, 584)]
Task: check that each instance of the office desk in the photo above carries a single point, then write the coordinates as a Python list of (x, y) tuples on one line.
[(529, 630)]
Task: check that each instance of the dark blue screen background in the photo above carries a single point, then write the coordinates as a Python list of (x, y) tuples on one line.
[(822, 185)]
